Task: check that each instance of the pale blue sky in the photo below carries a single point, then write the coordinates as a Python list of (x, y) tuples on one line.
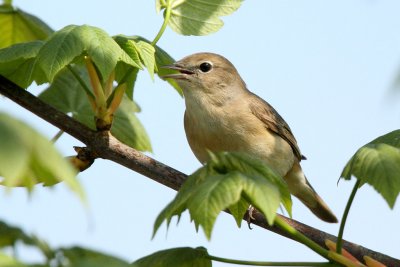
[(326, 66)]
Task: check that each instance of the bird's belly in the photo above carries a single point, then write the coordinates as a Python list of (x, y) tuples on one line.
[(241, 136)]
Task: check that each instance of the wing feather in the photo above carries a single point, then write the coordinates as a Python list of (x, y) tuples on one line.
[(274, 122)]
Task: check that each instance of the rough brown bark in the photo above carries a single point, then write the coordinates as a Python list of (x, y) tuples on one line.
[(104, 145)]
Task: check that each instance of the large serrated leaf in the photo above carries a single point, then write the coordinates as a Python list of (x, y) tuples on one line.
[(257, 168), (18, 26), (178, 205), (238, 209), (378, 164), (211, 197), (182, 257), (72, 42), (17, 62), (199, 17), (27, 158), (227, 181), (66, 94)]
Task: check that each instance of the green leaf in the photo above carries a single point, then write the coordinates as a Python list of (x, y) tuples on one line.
[(182, 257), (238, 209), (198, 17), (121, 70), (378, 164), (162, 59), (9, 235), (130, 48), (128, 129), (18, 26), (17, 62), (81, 257), (255, 167), (72, 42), (66, 94), (140, 51), (228, 181), (178, 205), (27, 158), (146, 52)]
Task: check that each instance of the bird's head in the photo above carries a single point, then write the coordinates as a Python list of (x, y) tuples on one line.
[(206, 72)]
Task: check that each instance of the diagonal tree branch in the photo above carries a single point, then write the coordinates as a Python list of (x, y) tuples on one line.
[(104, 145)]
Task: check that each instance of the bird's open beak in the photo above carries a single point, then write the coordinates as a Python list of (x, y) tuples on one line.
[(182, 71)]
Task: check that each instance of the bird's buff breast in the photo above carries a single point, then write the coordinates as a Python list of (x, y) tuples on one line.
[(235, 129)]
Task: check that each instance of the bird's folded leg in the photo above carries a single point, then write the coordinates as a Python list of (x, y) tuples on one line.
[(250, 217)]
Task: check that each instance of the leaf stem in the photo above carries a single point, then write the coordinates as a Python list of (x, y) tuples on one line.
[(80, 80), (344, 217), (57, 136), (301, 238), (96, 84), (269, 263), (167, 15), (83, 84), (108, 86), (117, 96)]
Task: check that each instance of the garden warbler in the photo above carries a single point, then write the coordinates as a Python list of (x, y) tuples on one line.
[(223, 115)]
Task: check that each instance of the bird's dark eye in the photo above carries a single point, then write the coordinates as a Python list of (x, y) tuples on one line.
[(205, 67)]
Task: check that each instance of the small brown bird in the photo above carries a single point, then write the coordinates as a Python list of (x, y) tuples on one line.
[(223, 115)]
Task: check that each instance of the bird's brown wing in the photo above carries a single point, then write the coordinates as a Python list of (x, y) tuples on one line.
[(274, 122)]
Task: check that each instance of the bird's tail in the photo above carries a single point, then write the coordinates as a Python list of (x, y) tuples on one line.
[(319, 207), (302, 189)]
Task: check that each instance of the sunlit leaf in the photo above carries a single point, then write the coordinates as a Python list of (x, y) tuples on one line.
[(68, 44), (378, 164), (182, 257), (228, 180), (146, 52), (198, 17), (27, 158), (129, 47), (162, 59), (82, 257), (66, 94), (122, 69), (238, 209), (17, 62), (18, 26)]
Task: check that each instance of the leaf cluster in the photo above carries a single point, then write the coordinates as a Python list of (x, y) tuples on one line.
[(230, 181)]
